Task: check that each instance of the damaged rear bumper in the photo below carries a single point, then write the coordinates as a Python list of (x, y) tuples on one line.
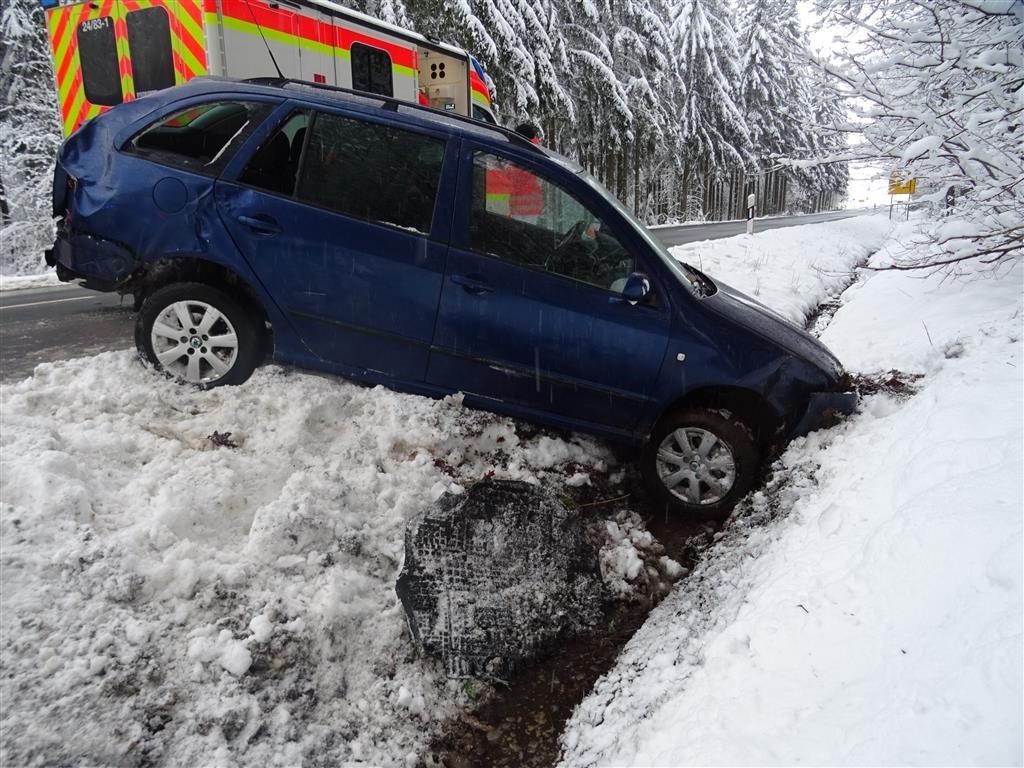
[(103, 264), (823, 410)]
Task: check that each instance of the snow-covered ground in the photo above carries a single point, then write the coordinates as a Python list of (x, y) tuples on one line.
[(47, 279), (168, 598), (791, 270), (874, 616), (175, 599)]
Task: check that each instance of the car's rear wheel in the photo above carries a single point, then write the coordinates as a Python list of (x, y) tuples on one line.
[(701, 461), (198, 335)]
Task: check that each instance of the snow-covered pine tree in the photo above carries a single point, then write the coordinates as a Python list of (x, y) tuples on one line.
[(391, 11), (822, 185), (774, 94), (645, 64), (714, 132), (29, 137), (544, 38), (604, 118)]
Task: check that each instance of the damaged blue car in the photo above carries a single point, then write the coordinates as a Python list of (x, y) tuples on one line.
[(398, 245)]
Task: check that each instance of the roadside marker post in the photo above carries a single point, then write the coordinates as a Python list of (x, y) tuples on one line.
[(750, 213)]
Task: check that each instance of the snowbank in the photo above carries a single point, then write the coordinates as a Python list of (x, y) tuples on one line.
[(47, 279), (170, 598), (794, 269), (876, 618)]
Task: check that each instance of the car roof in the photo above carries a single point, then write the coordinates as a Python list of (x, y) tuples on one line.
[(332, 95)]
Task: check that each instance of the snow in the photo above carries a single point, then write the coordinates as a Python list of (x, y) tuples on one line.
[(48, 279), (170, 599), (866, 608), (794, 269)]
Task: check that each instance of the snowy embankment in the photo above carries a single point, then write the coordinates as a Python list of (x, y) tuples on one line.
[(866, 608), (172, 598), (175, 596), (792, 270)]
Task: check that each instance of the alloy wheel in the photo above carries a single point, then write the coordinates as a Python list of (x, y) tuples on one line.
[(194, 341)]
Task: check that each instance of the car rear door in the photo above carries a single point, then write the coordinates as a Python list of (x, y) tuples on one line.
[(344, 220), (531, 310)]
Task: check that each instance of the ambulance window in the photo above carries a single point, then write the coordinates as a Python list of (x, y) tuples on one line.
[(520, 217), (97, 51), (200, 138), (371, 171), (371, 70), (149, 43), (481, 114)]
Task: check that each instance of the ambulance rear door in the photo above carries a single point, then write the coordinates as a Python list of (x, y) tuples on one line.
[(106, 52)]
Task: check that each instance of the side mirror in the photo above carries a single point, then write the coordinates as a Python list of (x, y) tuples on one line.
[(636, 289)]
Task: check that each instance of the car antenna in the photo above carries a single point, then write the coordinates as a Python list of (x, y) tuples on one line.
[(248, 4)]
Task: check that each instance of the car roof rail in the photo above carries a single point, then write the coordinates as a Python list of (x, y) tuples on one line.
[(392, 104)]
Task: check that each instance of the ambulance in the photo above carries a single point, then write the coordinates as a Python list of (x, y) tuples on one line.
[(106, 52)]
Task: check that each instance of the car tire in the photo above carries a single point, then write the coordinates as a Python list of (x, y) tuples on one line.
[(700, 462), (197, 334)]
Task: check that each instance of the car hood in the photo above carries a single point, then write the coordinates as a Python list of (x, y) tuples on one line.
[(755, 316)]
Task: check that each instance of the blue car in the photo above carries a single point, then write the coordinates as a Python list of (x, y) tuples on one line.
[(398, 245)]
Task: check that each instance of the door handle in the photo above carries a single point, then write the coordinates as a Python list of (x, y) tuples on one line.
[(472, 284), (261, 224)]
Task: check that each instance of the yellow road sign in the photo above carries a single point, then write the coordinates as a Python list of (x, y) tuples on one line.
[(899, 186)]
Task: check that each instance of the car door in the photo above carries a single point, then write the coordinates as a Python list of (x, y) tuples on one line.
[(342, 219), (531, 310)]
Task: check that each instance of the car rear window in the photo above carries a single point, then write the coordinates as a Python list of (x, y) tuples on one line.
[(202, 137), (371, 171)]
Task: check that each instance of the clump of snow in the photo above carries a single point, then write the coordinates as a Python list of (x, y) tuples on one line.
[(794, 269), (633, 563), (866, 606), (171, 598)]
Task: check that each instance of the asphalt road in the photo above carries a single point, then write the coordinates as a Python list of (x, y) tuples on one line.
[(41, 325)]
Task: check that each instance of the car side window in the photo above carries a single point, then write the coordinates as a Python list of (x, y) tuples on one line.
[(371, 171), (275, 164), (521, 217), (200, 138)]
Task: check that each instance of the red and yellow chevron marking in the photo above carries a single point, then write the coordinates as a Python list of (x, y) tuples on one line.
[(63, 24), (187, 45), (187, 38)]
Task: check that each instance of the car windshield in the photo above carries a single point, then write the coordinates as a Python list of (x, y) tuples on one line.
[(696, 282)]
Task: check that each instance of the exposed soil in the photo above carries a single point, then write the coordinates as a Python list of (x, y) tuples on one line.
[(518, 725), (818, 320)]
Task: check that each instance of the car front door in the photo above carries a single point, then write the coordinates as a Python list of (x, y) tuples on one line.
[(531, 312), (343, 220)]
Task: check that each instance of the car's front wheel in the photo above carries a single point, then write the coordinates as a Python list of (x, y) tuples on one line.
[(198, 335), (701, 461)]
